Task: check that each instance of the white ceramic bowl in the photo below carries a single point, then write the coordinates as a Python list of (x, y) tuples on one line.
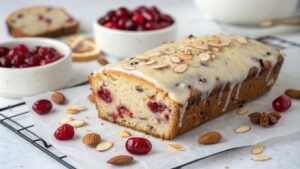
[(246, 11), (20, 82), (121, 43)]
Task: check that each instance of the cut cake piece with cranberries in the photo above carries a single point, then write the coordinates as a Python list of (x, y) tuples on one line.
[(41, 21)]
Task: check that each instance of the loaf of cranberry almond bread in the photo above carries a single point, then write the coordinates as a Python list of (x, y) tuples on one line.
[(41, 21), (180, 85)]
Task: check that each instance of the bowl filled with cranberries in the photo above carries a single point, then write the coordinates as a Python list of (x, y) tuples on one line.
[(30, 66), (123, 32)]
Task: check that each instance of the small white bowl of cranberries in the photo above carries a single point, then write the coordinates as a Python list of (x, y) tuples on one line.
[(29, 66), (123, 32)]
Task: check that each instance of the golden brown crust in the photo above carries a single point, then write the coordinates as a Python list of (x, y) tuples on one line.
[(53, 33), (199, 111)]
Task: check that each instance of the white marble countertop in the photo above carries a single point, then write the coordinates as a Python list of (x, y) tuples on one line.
[(15, 152)]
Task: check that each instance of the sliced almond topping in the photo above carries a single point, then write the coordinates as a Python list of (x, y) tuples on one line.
[(124, 134), (161, 66), (243, 110), (169, 51), (75, 109), (241, 40), (186, 57), (242, 129), (261, 158), (77, 123), (127, 67), (204, 56), (104, 145), (65, 120), (154, 54), (150, 62), (203, 46), (258, 149), (180, 68), (175, 147), (175, 59), (142, 57)]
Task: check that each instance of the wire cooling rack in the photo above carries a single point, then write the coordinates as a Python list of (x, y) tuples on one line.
[(17, 119)]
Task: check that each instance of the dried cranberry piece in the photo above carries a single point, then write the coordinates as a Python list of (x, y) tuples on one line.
[(17, 61), (105, 95), (166, 18), (130, 25), (122, 12), (148, 15), (138, 19), (122, 23), (4, 62), (155, 9), (282, 103), (164, 24), (122, 111), (4, 51), (138, 145), (156, 107), (151, 26), (111, 25), (64, 132), (42, 106)]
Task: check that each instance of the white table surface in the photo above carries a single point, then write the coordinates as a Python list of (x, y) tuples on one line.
[(17, 153)]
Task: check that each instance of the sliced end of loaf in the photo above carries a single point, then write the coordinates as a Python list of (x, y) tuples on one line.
[(133, 102)]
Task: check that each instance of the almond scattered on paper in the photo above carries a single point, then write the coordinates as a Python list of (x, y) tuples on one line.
[(124, 134), (75, 109), (261, 158), (65, 120), (58, 98), (101, 60), (258, 149), (211, 137), (120, 160), (243, 110), (293, 93), (242, 129), (91, 98), (104, 146), (77, 123), (91, 139), (175, 147)]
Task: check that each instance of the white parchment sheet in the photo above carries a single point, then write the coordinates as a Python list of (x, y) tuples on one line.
[(160, 156)]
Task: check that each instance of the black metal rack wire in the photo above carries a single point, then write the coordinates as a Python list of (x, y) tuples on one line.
[(11, 119)]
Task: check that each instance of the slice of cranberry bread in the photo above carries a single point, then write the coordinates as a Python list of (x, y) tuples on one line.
[(41, 21), (178, 86)]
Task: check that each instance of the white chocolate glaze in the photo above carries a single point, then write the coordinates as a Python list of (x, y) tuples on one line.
[(227, 58)]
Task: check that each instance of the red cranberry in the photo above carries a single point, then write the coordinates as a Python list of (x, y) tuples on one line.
[(141, 8), (4, 51), (17, 61), (138, 19), (122, 22), (64, 132), (42, 106), (151, 26), (122, 12), (130, 25), (122, 111), (282, 103), (138, 145), (155, 9), (166, 18), (22, 49), (156, 107), (105, 95), (148, 15), (164, 24), (32, 61), (4, 62), (111, 25)]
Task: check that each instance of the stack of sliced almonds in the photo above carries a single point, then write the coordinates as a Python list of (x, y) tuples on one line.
[(83, 48)]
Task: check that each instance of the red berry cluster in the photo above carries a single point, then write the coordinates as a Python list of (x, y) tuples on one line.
[(20, 56), (140, 19)]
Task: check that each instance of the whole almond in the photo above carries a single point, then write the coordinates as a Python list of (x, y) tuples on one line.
[(58, 98), (261, 158), (102, 60), (242, 129), (175, 147), (91, 139), (120, 160), (293, 93), (104, 145), (258, 149), (91, 98), (211, 137)]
